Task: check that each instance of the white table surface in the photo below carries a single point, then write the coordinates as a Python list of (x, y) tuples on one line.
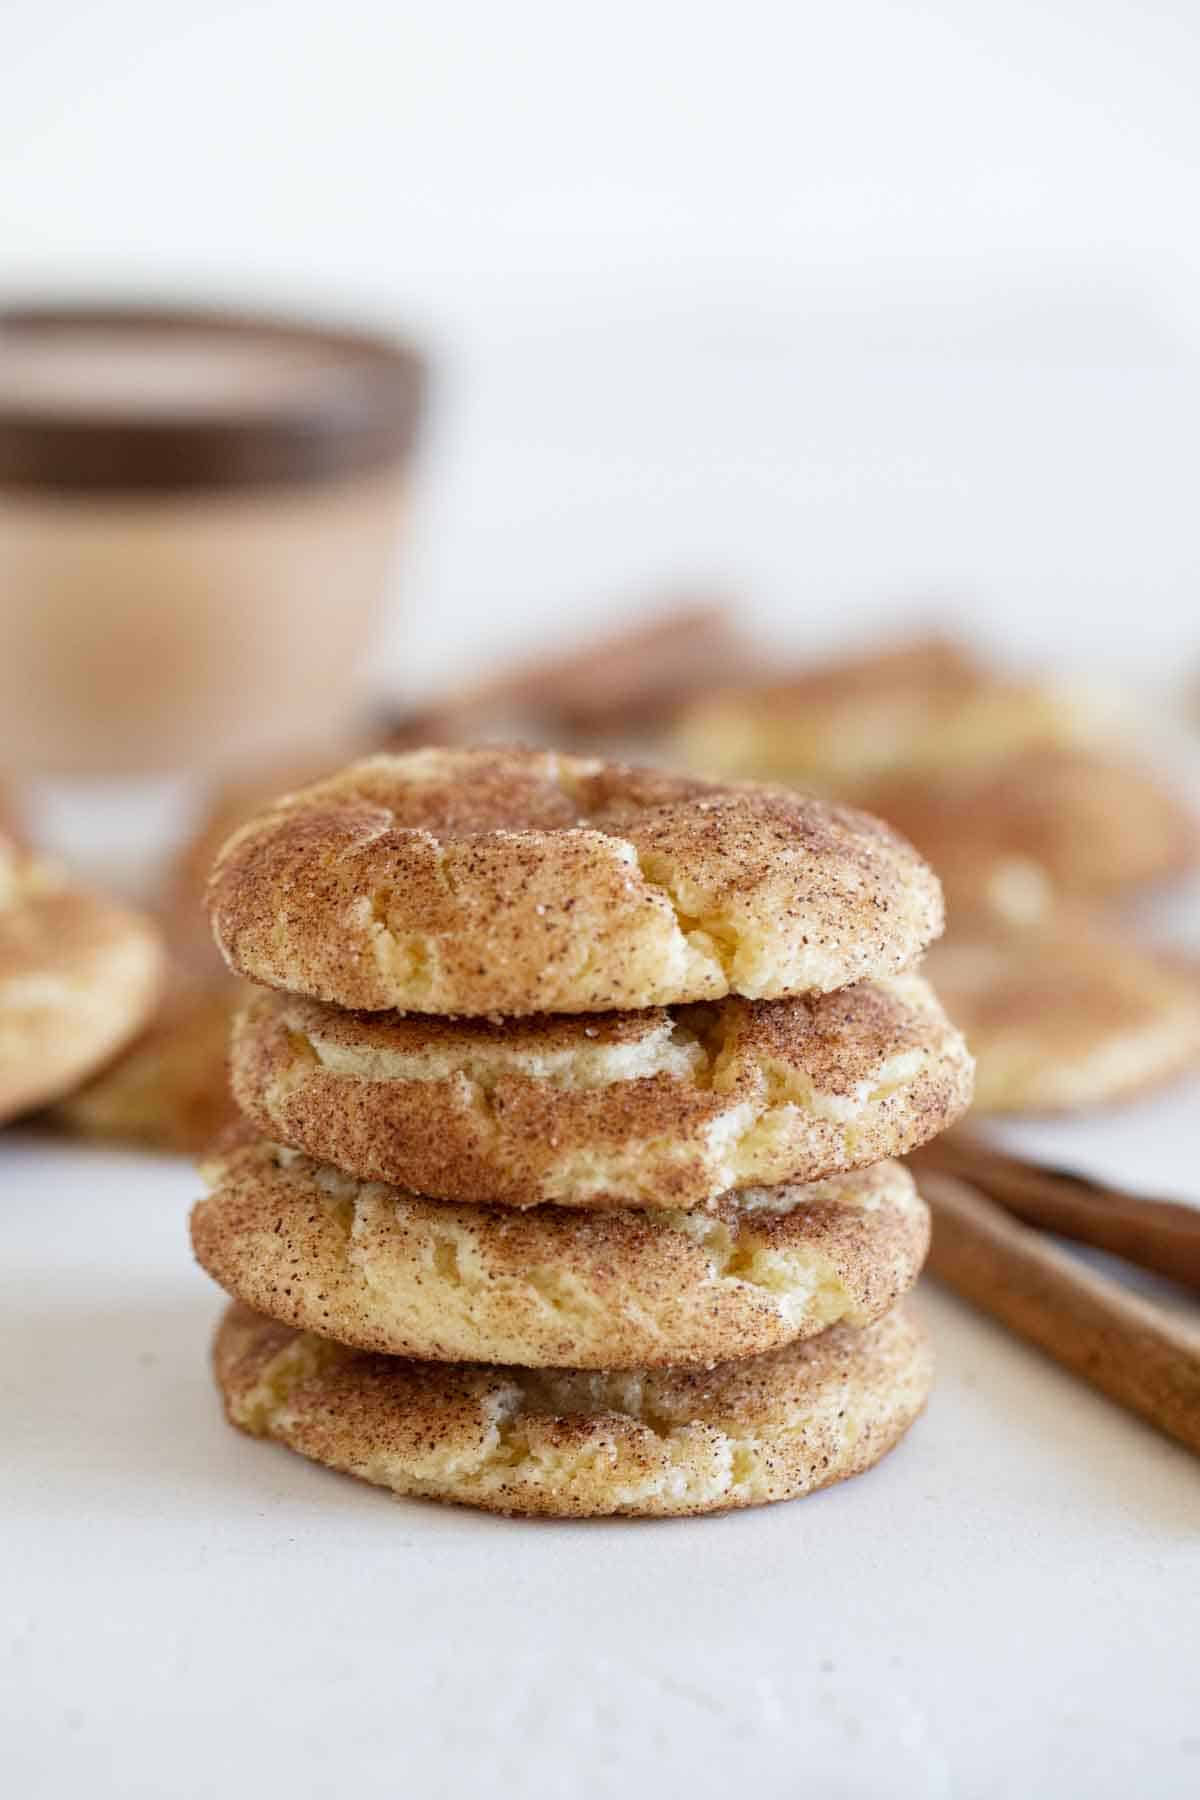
[(1010, 1604)]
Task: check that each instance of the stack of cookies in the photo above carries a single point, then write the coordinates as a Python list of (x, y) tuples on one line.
[(564, 1185)]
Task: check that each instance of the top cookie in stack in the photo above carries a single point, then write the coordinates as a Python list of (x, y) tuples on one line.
[(646, 1006), (510, 882)]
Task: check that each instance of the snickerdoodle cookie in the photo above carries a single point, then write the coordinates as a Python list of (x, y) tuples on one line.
[(385, 1270), (667, 1107), (79, 977), (918, 706), (516, 882), (169, 1090), (1067, 1014), (1012, 838), (572, 1443)]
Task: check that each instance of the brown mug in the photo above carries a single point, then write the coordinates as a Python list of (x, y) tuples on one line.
[(198, 517)]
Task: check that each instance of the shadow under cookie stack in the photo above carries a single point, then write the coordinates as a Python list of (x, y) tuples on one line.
[(570, 1098)]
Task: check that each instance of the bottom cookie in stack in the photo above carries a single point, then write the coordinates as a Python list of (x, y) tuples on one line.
[(563, 1362), (578, 1443)]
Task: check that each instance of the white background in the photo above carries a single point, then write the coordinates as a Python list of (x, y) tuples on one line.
[(845, 307), (850, 308)]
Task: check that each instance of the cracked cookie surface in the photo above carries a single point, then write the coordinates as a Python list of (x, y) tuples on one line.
[(384, 1270), (571, 1443), (515, 882), (666, 1107)]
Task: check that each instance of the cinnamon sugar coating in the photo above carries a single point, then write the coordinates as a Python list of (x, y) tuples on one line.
[(666, 1107), (573, 1443), (380, 1269), (515, 882)]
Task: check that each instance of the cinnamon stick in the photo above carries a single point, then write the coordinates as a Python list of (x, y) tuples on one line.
[(1132, 1350), (1156, 1234)]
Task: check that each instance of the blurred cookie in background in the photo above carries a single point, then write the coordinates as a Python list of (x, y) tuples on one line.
[(1012, 838), (614, 691), (1066, 1014), (922, 705), (170, 1089), (79, 977)]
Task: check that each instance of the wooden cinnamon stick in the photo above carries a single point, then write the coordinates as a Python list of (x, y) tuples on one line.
[(1132, 1350), (1156, 1234)]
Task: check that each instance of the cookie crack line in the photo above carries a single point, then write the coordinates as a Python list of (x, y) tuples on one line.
[(707, 934)]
